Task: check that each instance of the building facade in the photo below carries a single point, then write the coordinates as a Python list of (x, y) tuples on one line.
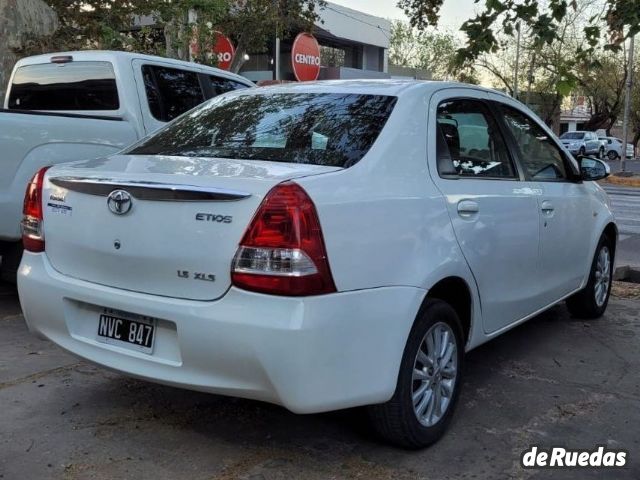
[(353, 44)]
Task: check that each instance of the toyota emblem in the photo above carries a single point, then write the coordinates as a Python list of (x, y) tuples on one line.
[(119, 202)]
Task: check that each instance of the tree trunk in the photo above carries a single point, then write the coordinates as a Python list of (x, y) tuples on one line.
[(19, 21), (598, 121), (238, 59), (636, 139)]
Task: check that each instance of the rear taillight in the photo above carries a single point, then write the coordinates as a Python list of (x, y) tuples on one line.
[(282, 252), (32, 219)]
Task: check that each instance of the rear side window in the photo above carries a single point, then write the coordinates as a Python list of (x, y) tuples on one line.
[(171, 91), (470, 142), (219, 85), (318, 129), (65, 86)]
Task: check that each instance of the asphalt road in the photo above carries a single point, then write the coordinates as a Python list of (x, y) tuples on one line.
[(626, 208), (553, 381)]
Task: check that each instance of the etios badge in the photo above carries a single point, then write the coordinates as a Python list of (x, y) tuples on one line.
[(119, 202)]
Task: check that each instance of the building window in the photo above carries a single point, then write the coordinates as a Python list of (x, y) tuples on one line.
[(332, 57)]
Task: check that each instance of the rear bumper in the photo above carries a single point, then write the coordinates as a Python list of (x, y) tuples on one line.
[(307, 354)]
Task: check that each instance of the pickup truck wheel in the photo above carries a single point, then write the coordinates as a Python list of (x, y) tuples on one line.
[(601, 153), (591, 302), (582, 152), (428, 383), (612, 155), (11, 256)]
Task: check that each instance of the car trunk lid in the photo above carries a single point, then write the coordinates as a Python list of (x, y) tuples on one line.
[(160, 225)]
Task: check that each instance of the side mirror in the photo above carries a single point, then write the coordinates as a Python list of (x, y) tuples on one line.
[(593, 169)]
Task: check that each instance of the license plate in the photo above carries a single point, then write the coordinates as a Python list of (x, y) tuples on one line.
[(126, 330)]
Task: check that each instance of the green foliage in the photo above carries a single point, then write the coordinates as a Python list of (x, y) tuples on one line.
[(253, 24), (109, 24), (618, 20)]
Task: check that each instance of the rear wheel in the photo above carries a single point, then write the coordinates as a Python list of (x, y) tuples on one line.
[(11, 256), (612, 155), (428, 382), (591, 302)]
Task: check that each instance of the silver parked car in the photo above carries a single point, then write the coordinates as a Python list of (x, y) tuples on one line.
[(582, 143)]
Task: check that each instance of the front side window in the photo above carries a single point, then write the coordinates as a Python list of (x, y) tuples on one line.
[(171, 91), (473, 145), (319, 129), (71, 86), (542, 159)]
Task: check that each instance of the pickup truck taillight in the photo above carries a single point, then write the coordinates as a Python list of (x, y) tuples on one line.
[(282, 251), (32, 233)]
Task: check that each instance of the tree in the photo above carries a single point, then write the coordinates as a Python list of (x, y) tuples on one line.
[(550, 71), (602, 80), (20, 20), (110, 24), (617, 20), (253, 24), (428, 50)]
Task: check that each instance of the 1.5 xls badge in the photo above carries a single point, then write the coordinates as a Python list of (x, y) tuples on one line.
[(206, 277)]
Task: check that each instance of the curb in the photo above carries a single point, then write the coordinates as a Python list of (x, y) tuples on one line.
[(632, 181), (627, 274)]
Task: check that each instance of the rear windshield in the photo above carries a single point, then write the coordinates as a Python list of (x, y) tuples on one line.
[(572, 136), (320, 129), (65, 86)]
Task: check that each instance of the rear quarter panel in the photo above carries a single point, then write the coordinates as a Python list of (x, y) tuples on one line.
[(384, 222)]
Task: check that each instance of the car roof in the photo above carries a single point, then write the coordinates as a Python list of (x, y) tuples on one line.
[(118, 57), (394, 87)]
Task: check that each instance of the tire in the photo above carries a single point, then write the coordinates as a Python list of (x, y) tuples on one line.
[(601, 153), (591, 302), (612, 155), (582, 152), (11, 256), (396, 421)]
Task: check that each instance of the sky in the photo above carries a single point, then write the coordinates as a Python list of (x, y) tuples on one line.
[(452, 14)]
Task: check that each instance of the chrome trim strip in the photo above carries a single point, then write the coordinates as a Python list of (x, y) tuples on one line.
[(154, 191)]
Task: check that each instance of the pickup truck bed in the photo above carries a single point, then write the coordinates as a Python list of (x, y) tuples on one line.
[(30, 139)]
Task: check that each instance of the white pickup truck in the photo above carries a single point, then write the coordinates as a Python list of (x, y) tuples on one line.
[(82, 105)]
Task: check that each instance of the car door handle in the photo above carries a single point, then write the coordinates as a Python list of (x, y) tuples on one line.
[(467, 208), (547, 207)]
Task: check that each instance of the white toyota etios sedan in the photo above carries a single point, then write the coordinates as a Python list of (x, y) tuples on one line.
[(319, 246)]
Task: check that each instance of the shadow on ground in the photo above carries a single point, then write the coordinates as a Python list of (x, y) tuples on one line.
[(553, 381)]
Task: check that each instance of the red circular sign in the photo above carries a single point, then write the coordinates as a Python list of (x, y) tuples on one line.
[(305, 57), (224, 49)]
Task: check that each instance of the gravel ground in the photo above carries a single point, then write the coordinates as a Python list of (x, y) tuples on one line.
[(552, 381)]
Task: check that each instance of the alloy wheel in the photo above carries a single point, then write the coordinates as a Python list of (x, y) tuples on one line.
[(434, 374), (603, 276)]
